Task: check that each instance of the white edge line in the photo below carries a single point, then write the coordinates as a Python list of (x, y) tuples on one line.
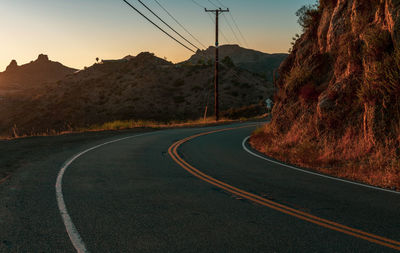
[(73, 233), (310, 172)]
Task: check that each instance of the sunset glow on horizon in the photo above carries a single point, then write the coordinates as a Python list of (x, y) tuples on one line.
[(75, 32)]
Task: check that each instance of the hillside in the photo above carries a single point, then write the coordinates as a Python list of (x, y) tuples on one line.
[(338, 108), (143, 87), (251, 60), (35, 73)]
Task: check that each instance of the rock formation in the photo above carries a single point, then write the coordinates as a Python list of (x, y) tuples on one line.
[(349, 57), (12, 66), (339, 88)]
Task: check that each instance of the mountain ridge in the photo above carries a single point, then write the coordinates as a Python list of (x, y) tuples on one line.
[(37, 72), (144, 87), (252, 60)]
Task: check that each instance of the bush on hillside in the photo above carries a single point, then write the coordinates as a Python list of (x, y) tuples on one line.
[(308, 15), (296, 78), (227, 61)]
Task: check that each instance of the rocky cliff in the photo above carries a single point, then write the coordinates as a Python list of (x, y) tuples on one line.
[(338, 106)]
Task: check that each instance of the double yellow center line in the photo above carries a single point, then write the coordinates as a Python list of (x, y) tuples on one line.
[(173, 152)]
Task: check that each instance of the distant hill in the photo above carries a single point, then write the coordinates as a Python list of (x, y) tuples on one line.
[(34, 73), (251, 60), (141, 87)]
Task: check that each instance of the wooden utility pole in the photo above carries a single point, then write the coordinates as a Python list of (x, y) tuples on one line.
[(216, 78)]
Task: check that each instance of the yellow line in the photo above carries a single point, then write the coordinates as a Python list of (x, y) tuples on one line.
[(271, 204)]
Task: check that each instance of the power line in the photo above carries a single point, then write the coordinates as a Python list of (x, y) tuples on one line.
[(207, 57), (169, 14), (221, 4), (233, 31), (235, 23), (202, 6), (213, 4), (196, 3), (222, 33), (172, 37), (237, 27), (169, 35), (167, 25)]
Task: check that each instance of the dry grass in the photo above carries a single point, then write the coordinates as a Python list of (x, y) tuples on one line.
[(349, 157), (129, 124)]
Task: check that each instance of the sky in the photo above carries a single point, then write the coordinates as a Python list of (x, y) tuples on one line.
[(75, 32)]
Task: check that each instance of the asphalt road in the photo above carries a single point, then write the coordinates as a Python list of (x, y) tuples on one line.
[(132, 196)]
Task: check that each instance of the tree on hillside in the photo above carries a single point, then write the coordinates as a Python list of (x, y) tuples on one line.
[(228, 62), (307, 14)]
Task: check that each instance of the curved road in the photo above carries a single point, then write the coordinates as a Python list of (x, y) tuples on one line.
[(162, 192)]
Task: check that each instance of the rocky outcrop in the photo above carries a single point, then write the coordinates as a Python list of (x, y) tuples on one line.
[(348, 55), (338, 108), (12, 66), (43, 58)]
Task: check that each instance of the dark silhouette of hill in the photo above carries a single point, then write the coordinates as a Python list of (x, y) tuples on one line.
[(34, 73), (143, 87), (251, 60)]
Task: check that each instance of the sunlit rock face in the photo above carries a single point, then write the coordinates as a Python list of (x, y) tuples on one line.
[(349, 56)]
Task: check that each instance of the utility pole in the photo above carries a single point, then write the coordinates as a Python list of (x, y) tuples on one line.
[(216, 79)]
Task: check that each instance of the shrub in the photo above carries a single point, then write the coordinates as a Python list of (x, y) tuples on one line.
[(297, 78), (308, 15), (227, 61), (382, 82)]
